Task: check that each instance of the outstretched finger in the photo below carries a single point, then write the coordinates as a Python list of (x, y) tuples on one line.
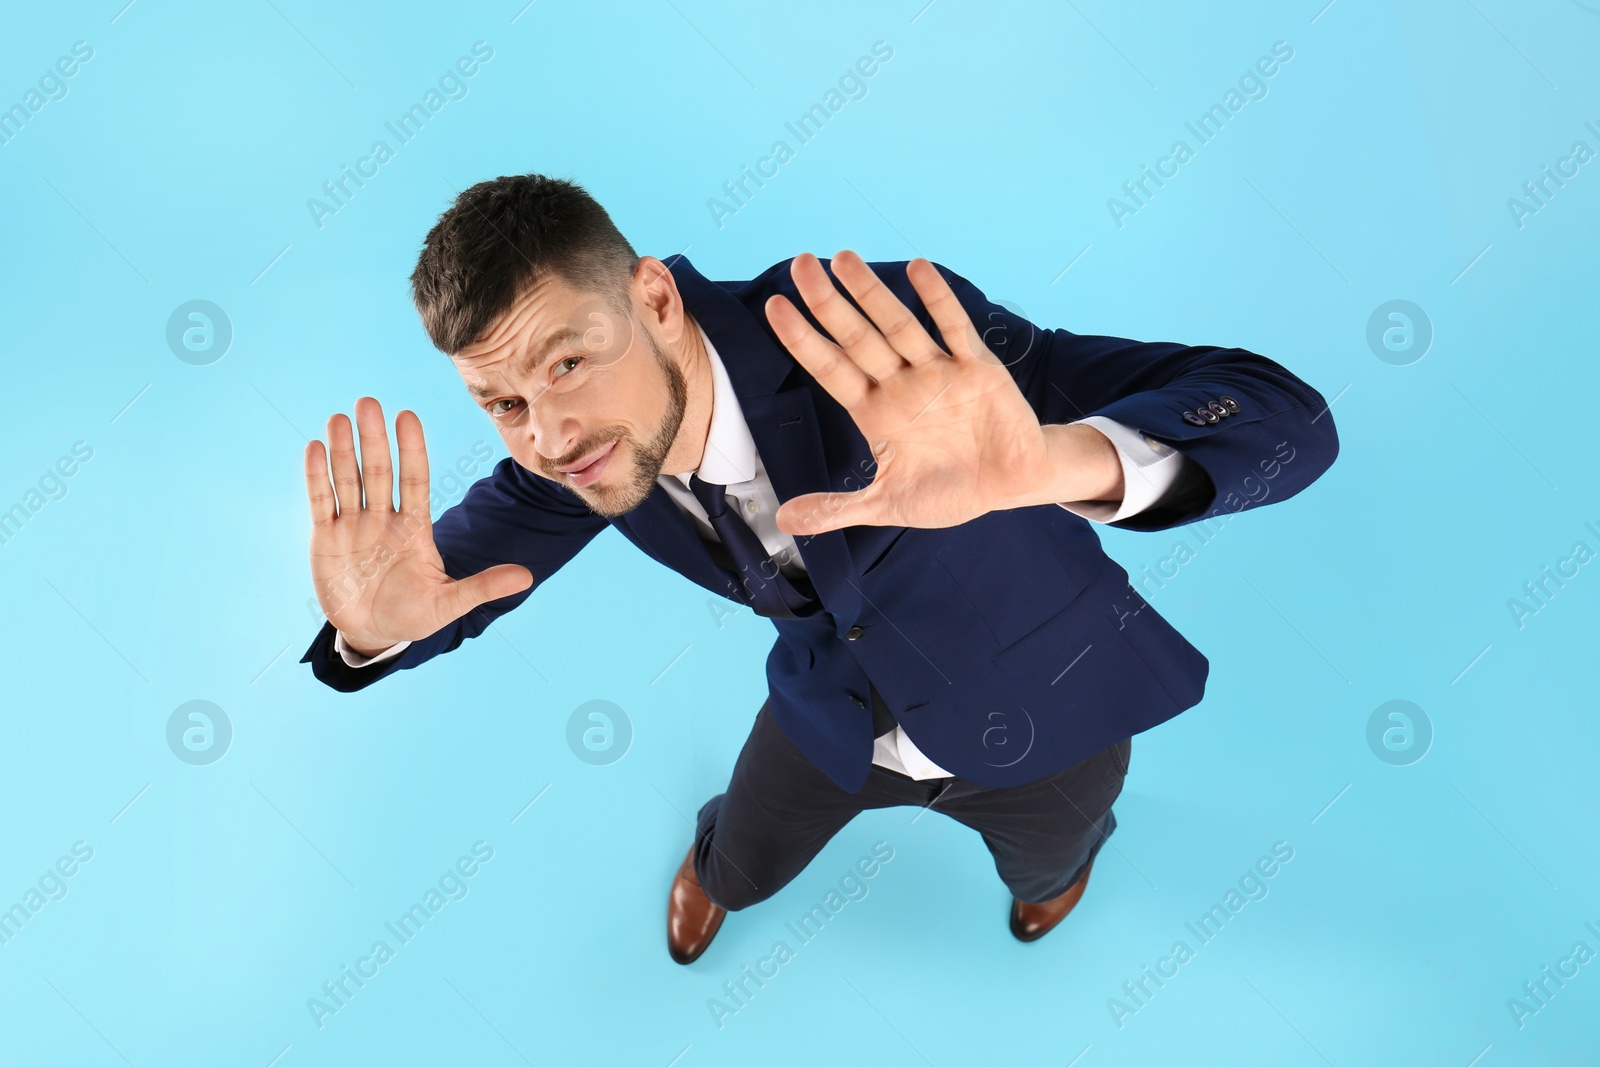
[(318, 489), (496, 582), (836, 372), (955, 325), (861, 339), (413, 464), (342, 451), (892, 318), (817, 513), (377, 476)]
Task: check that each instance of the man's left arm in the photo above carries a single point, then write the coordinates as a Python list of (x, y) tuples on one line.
[(1151, 475), (1234, 419), (999, 413)]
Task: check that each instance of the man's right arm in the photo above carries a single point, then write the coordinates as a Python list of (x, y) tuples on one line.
[(510, 516)]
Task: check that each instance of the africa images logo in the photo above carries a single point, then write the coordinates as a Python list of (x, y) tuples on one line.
[(199, 732), (599, 732)]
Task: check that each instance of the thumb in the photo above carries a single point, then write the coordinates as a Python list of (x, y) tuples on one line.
[(816, 513), (491, 584)]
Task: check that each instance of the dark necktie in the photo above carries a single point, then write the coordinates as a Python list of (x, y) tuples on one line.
[(760, 583)]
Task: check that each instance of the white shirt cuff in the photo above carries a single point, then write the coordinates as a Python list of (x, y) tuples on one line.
[(1149, 469), (356, 659)]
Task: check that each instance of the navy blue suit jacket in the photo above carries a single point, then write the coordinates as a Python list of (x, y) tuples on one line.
[(1008, 647)]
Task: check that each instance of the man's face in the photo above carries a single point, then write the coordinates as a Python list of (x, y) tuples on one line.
[(581, 392)]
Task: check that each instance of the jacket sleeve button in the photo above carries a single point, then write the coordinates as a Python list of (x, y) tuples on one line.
[(853, 633), (1192, 418), (857, 701), (1230, 403)]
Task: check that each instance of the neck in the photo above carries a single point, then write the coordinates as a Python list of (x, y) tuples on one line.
[(689, 448)]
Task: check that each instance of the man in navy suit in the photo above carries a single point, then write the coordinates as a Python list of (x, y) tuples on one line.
[(901, 473)]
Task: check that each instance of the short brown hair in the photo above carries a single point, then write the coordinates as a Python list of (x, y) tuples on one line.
[(502, 235)]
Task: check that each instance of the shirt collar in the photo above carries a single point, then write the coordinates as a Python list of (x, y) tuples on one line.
[(730, 453)]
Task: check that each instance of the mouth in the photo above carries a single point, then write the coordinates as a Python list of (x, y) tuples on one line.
[(589, 469)]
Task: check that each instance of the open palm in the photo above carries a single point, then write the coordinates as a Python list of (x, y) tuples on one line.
[(377, 572), (953, 436)]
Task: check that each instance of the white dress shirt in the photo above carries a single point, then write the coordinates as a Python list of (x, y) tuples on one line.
[(1149, 469)]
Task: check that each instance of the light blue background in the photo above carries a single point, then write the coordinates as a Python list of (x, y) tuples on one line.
[(220, 898)]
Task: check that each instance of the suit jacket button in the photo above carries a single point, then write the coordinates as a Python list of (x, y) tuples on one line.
[(857, 701), (1221, 410), (1209, 416), (1191, 417), (853, 633), (1230, 403)]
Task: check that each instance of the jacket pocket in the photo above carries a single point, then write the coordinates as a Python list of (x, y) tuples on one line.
[(1080, 658), (1014, 584), (882, 544)]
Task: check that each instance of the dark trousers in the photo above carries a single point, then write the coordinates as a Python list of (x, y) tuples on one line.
[(780, 809)]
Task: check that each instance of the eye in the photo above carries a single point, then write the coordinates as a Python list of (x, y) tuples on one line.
[(496, 410), (568, 359)]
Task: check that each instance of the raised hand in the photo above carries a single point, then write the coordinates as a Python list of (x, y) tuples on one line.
[(378, 575), (953, 436)]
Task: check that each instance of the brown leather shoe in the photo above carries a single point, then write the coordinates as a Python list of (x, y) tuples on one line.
[(1030, 922), (692, 919)]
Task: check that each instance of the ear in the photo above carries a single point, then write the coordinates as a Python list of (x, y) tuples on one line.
[(656, 291)]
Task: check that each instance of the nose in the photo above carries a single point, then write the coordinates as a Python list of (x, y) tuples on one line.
[(553, 434)]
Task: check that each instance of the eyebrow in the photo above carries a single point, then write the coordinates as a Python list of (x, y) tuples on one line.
[(534, 357)]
